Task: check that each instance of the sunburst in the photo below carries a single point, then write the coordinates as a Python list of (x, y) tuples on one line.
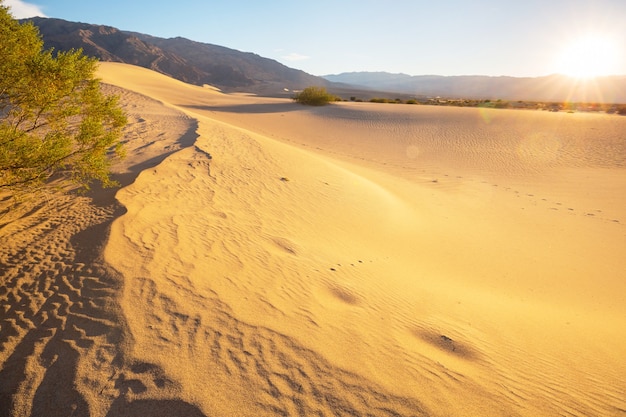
[(589, 56)]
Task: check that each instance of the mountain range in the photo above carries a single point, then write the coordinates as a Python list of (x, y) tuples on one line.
[(551, 88), (231, 70)]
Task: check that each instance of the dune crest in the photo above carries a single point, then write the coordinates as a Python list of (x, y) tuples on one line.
[(64, 340)]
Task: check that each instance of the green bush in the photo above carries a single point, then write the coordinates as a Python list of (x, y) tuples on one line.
[(315, 96), (54, 119)]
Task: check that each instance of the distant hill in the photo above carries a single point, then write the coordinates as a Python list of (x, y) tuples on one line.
[(554, 88), (193, 62), (231, 70)]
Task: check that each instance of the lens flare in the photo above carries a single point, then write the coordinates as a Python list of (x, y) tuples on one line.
[(486, 113)]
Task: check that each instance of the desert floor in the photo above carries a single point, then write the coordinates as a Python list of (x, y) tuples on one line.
[(265, 258)]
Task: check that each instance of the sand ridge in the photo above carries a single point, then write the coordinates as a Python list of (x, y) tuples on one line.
[(64, 341), (358, 259)]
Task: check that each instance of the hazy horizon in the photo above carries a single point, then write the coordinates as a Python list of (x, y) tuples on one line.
[(450, 38), (463, 75)]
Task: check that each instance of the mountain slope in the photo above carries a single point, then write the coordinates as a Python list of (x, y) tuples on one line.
[(549, 88), (189, 61), (231, 70)]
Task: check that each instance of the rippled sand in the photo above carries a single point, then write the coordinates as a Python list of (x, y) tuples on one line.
[(267, 258)]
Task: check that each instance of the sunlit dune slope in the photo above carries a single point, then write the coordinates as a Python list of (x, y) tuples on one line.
[(385, 260)]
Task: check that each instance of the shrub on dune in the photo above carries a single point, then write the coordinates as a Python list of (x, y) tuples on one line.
[(54, 119), (315, 96)]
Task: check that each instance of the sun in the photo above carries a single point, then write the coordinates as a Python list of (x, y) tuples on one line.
[(588, 57)]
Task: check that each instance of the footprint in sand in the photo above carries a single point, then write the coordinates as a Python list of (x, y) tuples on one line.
[(344, 295), (447, 344)]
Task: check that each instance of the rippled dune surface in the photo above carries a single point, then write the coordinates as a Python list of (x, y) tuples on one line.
[(265, 258)]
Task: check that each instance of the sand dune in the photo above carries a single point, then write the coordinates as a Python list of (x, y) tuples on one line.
[(265, 258)]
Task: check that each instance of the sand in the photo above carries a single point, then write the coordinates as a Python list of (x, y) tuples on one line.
[(267, 258)]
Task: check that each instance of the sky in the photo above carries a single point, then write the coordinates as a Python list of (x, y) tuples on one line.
[(520, 38)]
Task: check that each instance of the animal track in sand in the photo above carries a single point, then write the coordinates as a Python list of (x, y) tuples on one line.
[(528, 196)]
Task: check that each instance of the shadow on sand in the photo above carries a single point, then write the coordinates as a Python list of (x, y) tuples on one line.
[(153, 408), (252, 108), (59, 305)]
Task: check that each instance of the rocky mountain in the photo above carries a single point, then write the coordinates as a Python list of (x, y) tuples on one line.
[(555, 88), (193, 62)]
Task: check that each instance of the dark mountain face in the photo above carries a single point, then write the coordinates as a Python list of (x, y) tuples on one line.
[(183, 59)]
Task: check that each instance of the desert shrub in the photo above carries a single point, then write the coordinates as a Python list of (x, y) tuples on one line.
[(621, 109), (54, 119), (411, 101), (386, 100), (315, 96), (502, 104)]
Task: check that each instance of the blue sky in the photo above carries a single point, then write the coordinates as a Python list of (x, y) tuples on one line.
[(444, 37)]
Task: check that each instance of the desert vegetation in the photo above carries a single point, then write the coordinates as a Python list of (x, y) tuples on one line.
[(315, 96), (609, 108), (54, 119)]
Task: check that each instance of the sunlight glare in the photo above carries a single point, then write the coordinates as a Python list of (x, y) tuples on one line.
[(588, 57)]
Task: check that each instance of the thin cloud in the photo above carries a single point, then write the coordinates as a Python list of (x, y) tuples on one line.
[(21, 10), (295, 57)]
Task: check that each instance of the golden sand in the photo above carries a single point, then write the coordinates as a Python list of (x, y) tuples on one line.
[(267, 258)]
